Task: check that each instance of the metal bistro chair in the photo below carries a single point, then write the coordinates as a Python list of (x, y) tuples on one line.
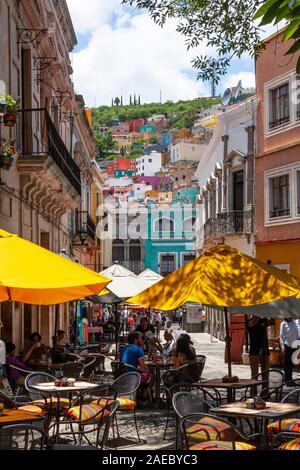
[(13, 404), (72, 369), (101, 372), (287, 428), (88, 368), (51, 405), (121, 368), (23, 437), (185, 403), (127, 386), (93, 410), (226, 435)]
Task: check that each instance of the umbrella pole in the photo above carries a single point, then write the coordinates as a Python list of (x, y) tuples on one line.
[(228, 342)]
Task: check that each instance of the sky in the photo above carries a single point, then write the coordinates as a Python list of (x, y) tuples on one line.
[(121, 51)]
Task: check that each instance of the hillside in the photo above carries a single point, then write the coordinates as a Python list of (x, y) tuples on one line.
[(180, 114)]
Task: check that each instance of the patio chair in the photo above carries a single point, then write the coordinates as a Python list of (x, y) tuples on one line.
[(271, 379), (227, 436), (49, 404), (185, 403), (287, 428), (92, 411), (18, 390), (127, 386), (88, 369), (101, 371), (11, 403), (23, 437), (72, 369), (121, 368)]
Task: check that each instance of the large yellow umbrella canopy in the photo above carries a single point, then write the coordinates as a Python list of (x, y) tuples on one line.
[(223, 276), (34, 275)]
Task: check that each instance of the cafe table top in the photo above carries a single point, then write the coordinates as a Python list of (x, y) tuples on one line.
[(218, 383), (18, 416), (272, 410), (50, 387)]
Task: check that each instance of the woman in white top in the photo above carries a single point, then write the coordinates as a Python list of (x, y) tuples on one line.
[(289, 333)]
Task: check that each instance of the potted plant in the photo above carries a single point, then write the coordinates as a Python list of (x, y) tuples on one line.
[(10, 115), (7, 154)]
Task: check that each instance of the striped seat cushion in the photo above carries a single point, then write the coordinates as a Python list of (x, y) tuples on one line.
[(104, 402), (198, 431), (32, 409), (123, 403), (285, 425), (126, 404), (291, 445), (88, 412), (54, 402), (221, 445)]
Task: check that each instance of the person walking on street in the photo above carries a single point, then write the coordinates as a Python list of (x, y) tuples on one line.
[(259, 347), (289, 333)]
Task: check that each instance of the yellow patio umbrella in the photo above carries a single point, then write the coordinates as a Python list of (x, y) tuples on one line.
[(224, 277), (31, 274)]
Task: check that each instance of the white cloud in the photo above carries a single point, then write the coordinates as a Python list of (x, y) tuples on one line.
[(128, 54)]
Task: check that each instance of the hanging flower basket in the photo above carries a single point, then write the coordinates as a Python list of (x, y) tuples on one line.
[(6, 161), (9, 120), (7, 153)]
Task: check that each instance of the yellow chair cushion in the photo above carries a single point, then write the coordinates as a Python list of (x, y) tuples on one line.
[(32, 409), (285, 425), (88, 412), (54, 402), (291, 445), (103, 402), (199, 431), (125, 404), (221, 445)]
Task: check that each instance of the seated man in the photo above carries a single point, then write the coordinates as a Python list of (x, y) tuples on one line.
[(150, 343), (36, 352), (133, 354), (15, 377)]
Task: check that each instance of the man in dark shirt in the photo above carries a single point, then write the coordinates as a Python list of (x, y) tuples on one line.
[(150, 343), (259, 346)]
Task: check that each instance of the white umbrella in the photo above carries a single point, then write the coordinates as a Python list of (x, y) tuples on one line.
[(124, 283), (149, 277)]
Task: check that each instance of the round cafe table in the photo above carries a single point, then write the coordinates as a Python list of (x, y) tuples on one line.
[(157, 368)]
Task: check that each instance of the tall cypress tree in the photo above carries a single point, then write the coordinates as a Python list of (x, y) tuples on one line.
[(134, 102), (121, 100), (130, 100), (139, 102), (112, 102)]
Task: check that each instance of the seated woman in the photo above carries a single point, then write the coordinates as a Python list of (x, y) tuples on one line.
[(36, 352), (185, 354), (15, 376), (150, 343)]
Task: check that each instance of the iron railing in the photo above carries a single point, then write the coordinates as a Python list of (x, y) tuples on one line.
[(38, 136), (135, 266), (228, 223)]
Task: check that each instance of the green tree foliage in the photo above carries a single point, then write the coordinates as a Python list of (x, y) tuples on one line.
[(104, 115), (105, 143), (226, 25), (117, 101)]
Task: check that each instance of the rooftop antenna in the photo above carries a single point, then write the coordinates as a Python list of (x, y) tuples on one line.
[(238, 89), (226, 98)]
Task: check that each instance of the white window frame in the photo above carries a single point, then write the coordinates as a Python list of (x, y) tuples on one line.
[(288, 78), (160, 254), (291, 171)]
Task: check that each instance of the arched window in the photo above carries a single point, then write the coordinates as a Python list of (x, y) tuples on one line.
[(135, 251), (164, 225), (189, 224), (118, 251)]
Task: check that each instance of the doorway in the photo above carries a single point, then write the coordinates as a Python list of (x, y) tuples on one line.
[(238, 200)]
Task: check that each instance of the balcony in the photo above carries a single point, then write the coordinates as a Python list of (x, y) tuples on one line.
[(135, 266), (39, 139), (228, 223)]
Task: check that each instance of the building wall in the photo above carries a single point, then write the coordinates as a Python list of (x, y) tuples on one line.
[(186, 151), (148, 165), (278, 152)]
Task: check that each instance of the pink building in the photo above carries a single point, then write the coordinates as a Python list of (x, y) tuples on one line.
[(277, 168)]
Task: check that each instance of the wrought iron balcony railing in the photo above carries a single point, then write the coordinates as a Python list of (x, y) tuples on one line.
[(228, 223), (84, 224), (38, 136), (135, 266)]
